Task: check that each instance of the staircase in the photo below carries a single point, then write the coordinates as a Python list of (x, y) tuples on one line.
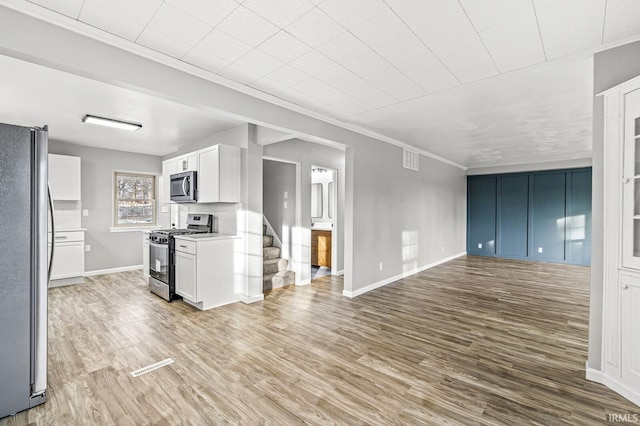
[(274, 268)]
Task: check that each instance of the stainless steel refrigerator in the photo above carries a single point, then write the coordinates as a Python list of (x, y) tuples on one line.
[(24, 267)]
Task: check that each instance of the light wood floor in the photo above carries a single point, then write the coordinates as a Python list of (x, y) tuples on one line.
[(473, 341)]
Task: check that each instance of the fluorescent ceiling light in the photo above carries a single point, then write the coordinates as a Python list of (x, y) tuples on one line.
[(109, 122)]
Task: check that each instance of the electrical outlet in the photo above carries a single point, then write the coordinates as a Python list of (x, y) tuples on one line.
[(539, 249), (443, 249), (87, 248), (380, 266), (479, 245), (165, 209), (285, 204), (85, 212), (286, 194)]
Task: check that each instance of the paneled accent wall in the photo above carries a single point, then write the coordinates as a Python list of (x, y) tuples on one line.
[(544, 216)]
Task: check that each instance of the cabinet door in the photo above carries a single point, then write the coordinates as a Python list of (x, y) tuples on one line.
[(187, 162), (168, 168), (64, 177), (631, 181), (186, 285), (145, 254), (209, 175), (630, 318), (68, 260)]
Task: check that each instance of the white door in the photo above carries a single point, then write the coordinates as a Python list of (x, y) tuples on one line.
[(630, 321)]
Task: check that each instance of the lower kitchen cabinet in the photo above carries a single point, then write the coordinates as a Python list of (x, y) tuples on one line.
[(145, 254), (186, 273), (205, 275), (68, 258)]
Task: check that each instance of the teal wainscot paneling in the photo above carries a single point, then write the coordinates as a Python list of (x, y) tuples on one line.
[(542, 216)]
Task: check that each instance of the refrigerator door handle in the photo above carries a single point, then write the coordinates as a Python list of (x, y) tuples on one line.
[(40, 284), (53, 234)]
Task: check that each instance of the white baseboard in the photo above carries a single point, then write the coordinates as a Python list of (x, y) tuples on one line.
[(358, 292), (621, 388), (304, 282), (251, 299), (61, 282), (340, 272), (593, 374), (112, 270)]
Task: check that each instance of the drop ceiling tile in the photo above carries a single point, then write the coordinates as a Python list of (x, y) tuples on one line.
[(446, 30), (70, 8), (120, 17), (205, 60), (377, 71), (279, 12), (223, 45), (259, 62), (247, 26), (354, 86), (210, 12), (370, 31), (428, 72), (485, 14), (239, 74), (402, 49), (344, 48), (571, 26), (514, 44), (353, 12), (288, 76), (622, 20), (284, 46), (175, 25), (160, 42), (539, 4), (313, 63), (315, 28)]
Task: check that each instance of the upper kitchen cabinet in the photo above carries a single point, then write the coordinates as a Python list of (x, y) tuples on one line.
[(219, 174), (64, 177)]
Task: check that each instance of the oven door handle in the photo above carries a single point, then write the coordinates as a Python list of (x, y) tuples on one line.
[(158, 245)]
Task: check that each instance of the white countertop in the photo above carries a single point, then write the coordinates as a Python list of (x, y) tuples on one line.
[(205, 237), (70, 230)]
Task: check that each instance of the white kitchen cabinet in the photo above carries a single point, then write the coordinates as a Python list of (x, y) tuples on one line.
[(187, 162), (621, 279), (219, 175), (168, 168), (145, 254), (68, 257), (205, 275), (64, 177), (186, 276)]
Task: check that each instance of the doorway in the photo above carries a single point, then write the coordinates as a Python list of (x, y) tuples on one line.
[(323, 221)]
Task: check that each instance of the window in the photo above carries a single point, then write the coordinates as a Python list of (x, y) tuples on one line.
[(134, 199)]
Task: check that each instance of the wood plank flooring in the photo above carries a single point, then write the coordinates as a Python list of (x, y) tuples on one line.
[(473, 341)]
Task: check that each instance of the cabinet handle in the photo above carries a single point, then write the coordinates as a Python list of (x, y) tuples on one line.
[(626, 180), (625, 286), (183, 246), (63, 237)]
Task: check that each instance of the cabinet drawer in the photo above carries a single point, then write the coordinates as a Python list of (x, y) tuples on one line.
[(186, 246), (64, 236)]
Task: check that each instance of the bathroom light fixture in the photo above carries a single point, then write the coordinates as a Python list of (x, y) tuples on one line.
[(109, 122)]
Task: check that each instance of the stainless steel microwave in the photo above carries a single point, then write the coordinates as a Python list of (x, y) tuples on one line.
[(184, 187)]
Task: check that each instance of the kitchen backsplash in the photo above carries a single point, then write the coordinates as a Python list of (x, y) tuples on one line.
[(225, 215), (68, 214)]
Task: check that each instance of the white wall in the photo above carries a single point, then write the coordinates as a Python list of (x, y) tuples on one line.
[(278, 178), (384, 204), (108, 249)]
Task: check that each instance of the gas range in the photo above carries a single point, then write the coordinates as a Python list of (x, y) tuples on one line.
[(162, 254)]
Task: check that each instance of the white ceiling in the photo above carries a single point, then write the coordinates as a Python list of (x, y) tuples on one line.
[(479, 82)]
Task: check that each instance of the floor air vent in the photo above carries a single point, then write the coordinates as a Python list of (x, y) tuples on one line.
[(151, 367)]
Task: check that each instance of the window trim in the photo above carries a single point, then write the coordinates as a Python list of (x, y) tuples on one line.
[(115, 227)]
